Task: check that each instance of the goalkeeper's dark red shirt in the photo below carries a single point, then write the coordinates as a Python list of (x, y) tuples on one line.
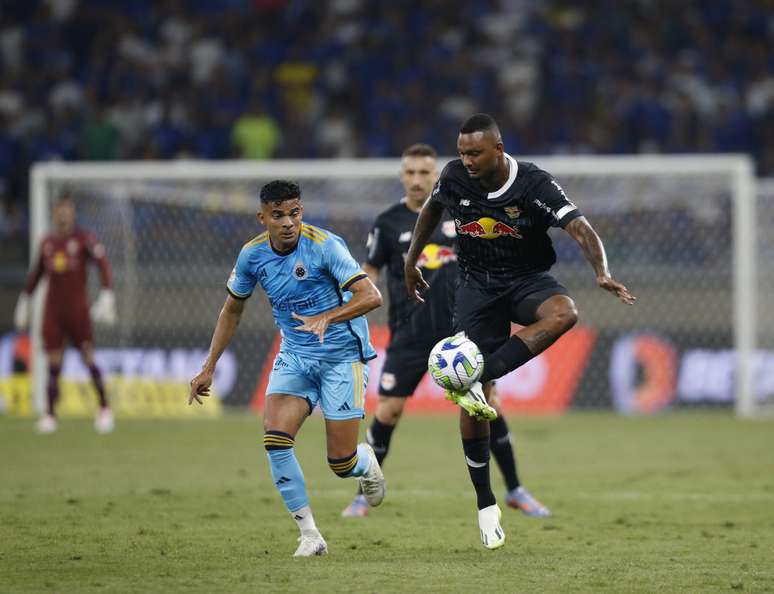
[(64, 260)]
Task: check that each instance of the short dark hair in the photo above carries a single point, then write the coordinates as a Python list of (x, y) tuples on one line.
[(420, 150), (479, 122), (280, 190), (64, 198)]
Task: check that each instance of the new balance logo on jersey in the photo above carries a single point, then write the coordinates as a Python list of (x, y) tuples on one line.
[(404, 237), (282, 480), (561, 190), (344, 406), (464, 202)]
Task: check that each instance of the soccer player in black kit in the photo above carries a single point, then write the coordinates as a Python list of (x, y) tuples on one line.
[(415, 328), (502, 209)]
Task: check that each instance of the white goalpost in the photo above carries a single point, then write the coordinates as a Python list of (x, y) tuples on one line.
[(680, 233)]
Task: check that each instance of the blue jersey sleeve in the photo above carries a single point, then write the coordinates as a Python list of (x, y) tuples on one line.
[(242, 280), (341, 264)]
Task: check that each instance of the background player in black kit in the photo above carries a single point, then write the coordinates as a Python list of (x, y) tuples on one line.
[(414, 327), (502, 209)]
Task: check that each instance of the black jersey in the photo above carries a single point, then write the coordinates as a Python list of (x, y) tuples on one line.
[(503, 234), (388, 244)]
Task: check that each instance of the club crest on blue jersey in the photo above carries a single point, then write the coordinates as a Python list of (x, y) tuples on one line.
[(299, 271)]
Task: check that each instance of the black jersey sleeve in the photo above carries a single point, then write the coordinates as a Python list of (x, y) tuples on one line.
[(378, 245), (442, 190), (550, 203)]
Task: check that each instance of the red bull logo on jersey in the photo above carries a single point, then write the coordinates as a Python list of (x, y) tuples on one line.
[(434, 256), (486, 228)]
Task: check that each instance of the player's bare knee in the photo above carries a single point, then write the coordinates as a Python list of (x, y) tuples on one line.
[(560, 312), (389, 410), (566, 318)]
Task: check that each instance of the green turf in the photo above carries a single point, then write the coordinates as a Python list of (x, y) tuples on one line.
[(670, 504)]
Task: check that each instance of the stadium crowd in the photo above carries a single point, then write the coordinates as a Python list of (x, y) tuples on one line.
[(143, 79)]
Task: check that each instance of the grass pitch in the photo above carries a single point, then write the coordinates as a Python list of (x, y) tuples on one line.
[(670, 504)]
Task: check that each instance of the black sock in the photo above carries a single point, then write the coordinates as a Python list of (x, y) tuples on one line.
[(378, 437), (99, 386), (508, 357), (53, 387), (500, 444), (477, 460)]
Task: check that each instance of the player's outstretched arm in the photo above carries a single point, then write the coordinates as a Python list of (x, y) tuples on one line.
[(428, 220), (228, 320), (365, 297), (582, 232)]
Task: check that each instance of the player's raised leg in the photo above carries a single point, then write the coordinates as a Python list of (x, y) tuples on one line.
[(347, 458), (554, 316), (342, 395), (283, 417), (379, 434)]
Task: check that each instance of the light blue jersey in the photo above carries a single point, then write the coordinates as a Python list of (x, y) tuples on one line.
[(311, 279)]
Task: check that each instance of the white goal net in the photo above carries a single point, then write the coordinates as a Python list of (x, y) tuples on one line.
[(680, 232)]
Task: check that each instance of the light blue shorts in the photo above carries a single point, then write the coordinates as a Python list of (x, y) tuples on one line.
[(339, 388)]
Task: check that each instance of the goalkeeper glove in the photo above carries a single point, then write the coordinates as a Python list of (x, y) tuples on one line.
[(21, 315), (104, 309)]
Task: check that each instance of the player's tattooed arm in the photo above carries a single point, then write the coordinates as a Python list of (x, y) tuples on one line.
[(582, 232), (365, 297), (428, 220), (228, 320)]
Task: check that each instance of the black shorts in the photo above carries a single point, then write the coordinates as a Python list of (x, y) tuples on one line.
[(485, 315), (415, 336), (406, 360)]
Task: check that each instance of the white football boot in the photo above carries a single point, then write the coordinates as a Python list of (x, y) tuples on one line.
[(103, 421), (492, 534), (46, 424), (372, 482), (311, 545)]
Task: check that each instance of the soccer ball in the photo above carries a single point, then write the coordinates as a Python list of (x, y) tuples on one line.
[(455, 363)]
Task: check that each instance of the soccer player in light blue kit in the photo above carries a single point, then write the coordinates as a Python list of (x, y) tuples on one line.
[(319, 295)]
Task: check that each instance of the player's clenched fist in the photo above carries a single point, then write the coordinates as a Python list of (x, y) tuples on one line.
[(200, 386)]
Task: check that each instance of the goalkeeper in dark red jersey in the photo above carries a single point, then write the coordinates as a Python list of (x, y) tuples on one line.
[(63, 257)]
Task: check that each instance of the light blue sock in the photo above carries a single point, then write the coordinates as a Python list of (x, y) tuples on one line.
[(286, 471), (363, 461)]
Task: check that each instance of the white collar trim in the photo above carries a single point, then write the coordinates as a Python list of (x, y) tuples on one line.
[(514, 171)]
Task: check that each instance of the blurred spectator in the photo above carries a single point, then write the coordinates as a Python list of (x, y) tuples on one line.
[(256, 134), (100, 138), (133, 79)]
